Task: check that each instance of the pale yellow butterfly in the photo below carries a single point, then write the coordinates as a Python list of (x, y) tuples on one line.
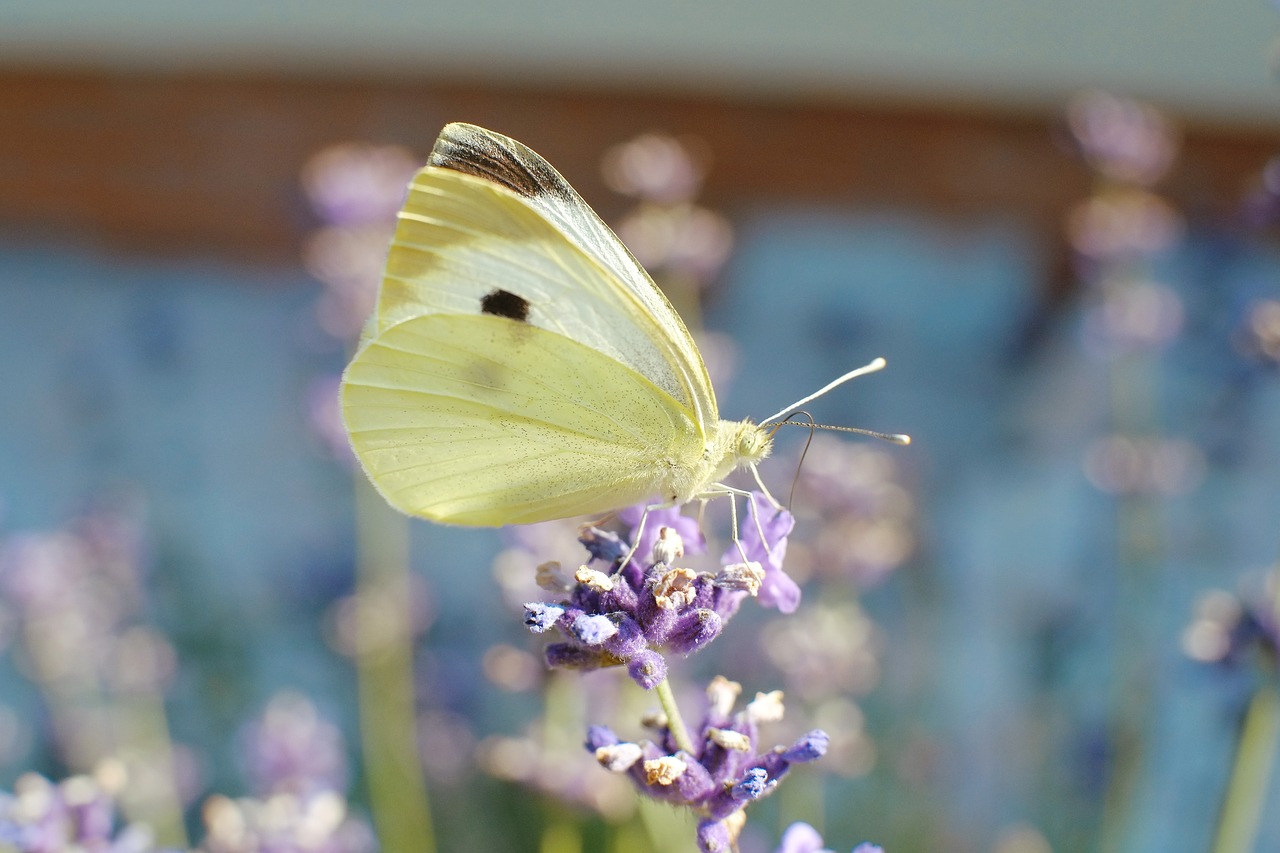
[(520, 365)]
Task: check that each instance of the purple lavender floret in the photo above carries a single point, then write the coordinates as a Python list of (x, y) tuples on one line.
[(726, 772), (687, 528), (648, 669), (540, 617), (654, 602), (603, 545), (811, 747), (777, 589)]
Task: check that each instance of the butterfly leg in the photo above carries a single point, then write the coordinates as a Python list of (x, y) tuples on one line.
[(755, 472), (638, 532), (721, 490)]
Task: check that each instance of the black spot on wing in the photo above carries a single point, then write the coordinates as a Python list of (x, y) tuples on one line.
[(504, 303)]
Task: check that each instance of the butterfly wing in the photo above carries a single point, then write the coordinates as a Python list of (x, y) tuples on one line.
[(489, 217), (520, 365), (484, 420)]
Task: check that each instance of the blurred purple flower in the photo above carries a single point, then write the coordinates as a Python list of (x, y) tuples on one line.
[(75, 814), (290, 748), (284, 823), (800, 837), (356, 189), (859, 515), (680, 243), (355, 183), (324, 416), (1124, 139), (1230, 629), (1135, 316), (654, 167)]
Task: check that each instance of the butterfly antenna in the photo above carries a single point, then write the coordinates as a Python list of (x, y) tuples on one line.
[(791, 498), (878, 364), (891, 437)]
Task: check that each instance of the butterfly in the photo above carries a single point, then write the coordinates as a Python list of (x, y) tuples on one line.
[(520, 365)]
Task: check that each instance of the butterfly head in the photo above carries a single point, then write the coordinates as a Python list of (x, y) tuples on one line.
[(751, 443), (738, 444)]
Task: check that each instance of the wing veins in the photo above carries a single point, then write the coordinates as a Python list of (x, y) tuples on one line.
[(639, 442), (585, 404)]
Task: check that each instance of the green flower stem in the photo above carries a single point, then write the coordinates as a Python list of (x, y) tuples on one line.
[(384, 670), (143, 728), (674, 721), (1255, 756), (563, 701), (1242, 809)]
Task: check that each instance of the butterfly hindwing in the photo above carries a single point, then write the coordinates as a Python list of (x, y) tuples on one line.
[(486, 420)]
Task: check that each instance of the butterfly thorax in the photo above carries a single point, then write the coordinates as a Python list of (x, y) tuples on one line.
[(732, 445)]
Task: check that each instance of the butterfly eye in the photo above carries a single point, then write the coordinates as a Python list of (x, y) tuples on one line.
[(753, 443)]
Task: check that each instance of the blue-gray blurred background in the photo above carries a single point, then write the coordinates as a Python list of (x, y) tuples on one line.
[(1078, 296)]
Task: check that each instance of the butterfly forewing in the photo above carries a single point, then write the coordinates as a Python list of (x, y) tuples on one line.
[(502, 161), (464, 246)]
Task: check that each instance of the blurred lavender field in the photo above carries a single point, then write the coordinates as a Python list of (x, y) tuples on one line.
[(1010, 628)]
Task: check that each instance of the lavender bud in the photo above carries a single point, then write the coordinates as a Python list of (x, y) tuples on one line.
[(602, 545), (714, 837), (808, 748), (598, 736), (573, 656), (647, 669), (629, 639), (741, 577), (754, 785), (694, 631), (620, 757)]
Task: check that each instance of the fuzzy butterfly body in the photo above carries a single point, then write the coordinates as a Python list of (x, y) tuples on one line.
[(520, 365)]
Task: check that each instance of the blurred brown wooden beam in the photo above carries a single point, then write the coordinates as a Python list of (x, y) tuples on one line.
[(209, 164)]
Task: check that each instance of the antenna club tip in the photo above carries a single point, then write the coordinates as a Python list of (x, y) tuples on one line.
[(903, 440), (877, 364)]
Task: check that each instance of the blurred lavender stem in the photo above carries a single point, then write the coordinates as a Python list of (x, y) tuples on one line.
[(1242, 809), (1118, 233), (1255, 757), (384, 666), (561, 722), (1139, 532), (104, 723), (143, 727)]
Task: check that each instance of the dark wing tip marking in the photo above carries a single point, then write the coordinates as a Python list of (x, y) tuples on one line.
[(494, 157), (504, 303)]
